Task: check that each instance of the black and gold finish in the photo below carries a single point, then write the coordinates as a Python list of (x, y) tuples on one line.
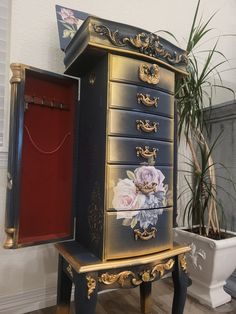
[(92, 275), (127, 140), (120, 186)]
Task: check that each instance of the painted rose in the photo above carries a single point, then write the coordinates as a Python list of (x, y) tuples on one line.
[(148, 175), (126, 196), (67, 16)]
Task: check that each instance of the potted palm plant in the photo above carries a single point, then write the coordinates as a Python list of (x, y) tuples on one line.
[(212, 259)]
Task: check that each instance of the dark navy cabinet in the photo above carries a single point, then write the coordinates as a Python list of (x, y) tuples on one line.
[(101, 170)]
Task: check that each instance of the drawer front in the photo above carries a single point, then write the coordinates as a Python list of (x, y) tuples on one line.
[(135, 151), (138, 187), (131, 97), (136, 233), (123, 69), (127, 123)]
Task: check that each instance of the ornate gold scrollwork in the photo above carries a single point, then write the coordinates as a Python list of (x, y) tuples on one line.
[(145, 235), (91, 284), (150, 275), (136, 279), (147, 126), (69, 269), (146, 100), (146, 153), (183, 262), (9, 243), (146, 43), (120, 278), (149, 73)]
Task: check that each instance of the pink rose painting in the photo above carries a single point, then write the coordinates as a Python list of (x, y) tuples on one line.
[(142, 189), (69, 21)]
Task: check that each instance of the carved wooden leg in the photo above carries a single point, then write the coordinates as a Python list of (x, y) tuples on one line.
[(181, 282), (85, 293), (146, 297), (64, 286)]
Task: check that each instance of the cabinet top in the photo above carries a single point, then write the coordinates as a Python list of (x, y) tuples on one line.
[(97, 36)]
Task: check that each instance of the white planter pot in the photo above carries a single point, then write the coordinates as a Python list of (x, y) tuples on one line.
[(210, 263)]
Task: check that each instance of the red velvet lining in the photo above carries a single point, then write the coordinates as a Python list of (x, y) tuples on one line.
[(46, 179)]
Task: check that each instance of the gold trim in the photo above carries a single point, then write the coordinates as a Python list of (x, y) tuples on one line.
[(145, 43), (147, 126), (128, 52), (91, 285), (119, 263), (17, 74), (9, 243), (183, 262), (69, 269), (109, 279), (146, 100), (146, 153), (149, 73), (136, 280), (145, 235)]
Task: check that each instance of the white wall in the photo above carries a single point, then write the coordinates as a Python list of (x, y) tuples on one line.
[(28, 276)]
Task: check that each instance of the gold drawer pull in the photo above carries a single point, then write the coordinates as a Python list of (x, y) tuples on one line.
[(146, 188), (146, 100), (145, 235), (149, 73), (146, 153), (146, 126)]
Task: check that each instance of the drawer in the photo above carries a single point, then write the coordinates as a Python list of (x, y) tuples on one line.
[(138, 187), (135, 151), (134, 233), (123, 69), (128, 123), (132, 97)]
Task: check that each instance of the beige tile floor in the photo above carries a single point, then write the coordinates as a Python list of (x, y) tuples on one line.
[(127, 302)]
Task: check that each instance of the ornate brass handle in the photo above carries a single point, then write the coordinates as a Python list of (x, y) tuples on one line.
[(146, 126), (149, 73), (146, 188), (146, 153), (146, 100), (145, 235)]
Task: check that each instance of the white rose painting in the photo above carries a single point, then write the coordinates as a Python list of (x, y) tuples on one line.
[(142, 189)]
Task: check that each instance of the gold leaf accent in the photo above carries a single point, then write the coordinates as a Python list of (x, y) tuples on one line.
[(146, 188), (150, 275), (17, 72), (146, 43), (145, 235), (146, 153), (149, 73), (146, 126), (137, 279), (9, 243), (183, 262), (69, 269), (120, 278), (146, 100), (91, 285)]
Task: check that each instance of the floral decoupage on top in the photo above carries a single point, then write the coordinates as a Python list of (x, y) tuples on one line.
[(145, 189), (68, 22)]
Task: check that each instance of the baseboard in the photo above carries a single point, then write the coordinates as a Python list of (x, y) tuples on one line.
[(28, 301)]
